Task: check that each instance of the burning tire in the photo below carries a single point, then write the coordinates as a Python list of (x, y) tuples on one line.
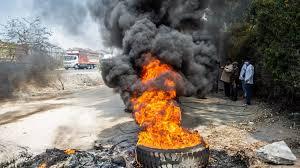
[(197, 156)]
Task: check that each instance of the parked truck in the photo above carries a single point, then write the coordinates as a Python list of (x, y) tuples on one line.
[(81, 59)]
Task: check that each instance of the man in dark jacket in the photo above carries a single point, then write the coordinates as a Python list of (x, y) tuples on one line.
[(234, 80)]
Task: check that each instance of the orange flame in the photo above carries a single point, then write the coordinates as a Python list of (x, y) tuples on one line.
[(157, 111), (70, 151), (43, 165)]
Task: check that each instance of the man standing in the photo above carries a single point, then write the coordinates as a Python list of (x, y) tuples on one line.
[(225, 77), (249, 75), (242, 77), (234, 79)]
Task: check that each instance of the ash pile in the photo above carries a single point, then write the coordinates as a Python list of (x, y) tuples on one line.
[(99, 157)]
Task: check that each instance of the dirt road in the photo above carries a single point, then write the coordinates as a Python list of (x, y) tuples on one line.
[(69, 121)]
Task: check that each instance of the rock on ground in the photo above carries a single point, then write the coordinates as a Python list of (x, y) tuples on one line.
[(277, 153)]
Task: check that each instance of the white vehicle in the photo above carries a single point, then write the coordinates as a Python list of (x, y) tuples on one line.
[(81, 59), (71, 61)]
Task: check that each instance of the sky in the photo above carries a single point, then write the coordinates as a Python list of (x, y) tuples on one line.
[(70, 26)]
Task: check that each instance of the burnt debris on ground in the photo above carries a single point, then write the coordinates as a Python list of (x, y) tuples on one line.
[(104, 158), (114, 157)]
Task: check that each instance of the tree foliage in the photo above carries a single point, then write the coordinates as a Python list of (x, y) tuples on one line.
[(270, 36), (28, 33)]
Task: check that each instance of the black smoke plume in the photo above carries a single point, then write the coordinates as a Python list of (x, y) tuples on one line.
[(181, 33)]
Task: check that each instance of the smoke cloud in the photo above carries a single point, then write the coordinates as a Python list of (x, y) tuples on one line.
[(181, 33), (68, 13)]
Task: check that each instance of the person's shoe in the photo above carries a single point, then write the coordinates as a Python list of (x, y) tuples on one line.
[(245, 105)]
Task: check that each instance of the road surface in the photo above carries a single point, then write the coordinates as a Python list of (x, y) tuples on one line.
[(70, 121)]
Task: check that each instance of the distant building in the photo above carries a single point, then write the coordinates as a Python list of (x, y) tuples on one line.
[(10, 52)]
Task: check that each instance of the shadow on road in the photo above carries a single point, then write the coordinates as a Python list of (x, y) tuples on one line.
[(14, 116)]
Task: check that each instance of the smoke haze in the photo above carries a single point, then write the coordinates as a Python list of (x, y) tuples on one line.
[(70, 22), (69, 13), (29, 68)]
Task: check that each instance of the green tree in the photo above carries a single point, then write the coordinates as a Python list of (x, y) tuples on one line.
[(270, 35)]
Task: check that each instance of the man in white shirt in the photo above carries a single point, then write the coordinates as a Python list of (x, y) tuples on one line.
[(242, 78), (249, 75)]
